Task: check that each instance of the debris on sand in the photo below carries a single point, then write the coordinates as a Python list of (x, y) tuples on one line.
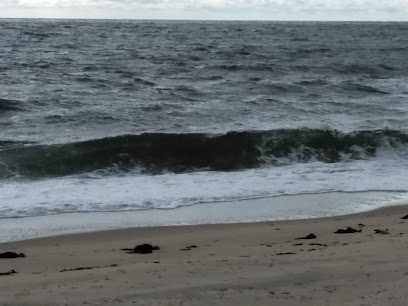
[(318, 244), (142, 249), (87, 268), (348, 230), (383, 232), (8, 273), (288, 253), (188, 248), (11, 255), (310, 236)]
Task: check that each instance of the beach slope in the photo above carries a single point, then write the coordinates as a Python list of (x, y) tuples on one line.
[(235, 264)]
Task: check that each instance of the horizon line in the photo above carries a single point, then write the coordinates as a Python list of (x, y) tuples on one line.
[(201, 20)]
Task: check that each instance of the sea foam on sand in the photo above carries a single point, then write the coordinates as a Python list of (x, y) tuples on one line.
[(255, 210)]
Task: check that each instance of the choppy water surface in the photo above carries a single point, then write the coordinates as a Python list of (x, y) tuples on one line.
[(112, 115)]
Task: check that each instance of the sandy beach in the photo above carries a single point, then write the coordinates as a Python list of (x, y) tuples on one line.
[(234, 264)]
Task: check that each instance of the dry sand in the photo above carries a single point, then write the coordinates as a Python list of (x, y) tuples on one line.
[(235, 264)]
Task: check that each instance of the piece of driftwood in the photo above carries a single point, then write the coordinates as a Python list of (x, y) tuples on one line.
[(288, 253), (88, 268)]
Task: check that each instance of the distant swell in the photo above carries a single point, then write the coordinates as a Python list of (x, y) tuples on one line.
[(189, 152), (349, 86), (9, 105)]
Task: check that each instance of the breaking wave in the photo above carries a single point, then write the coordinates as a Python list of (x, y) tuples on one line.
[(156, 153)]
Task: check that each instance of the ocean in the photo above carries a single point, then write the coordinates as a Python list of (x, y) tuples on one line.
[(111, 116)]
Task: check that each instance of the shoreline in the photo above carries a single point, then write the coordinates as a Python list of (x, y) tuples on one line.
[(288, 207), (394, 209), (232, 264)]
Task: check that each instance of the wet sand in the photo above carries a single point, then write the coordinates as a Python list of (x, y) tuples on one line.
[(232, 264)]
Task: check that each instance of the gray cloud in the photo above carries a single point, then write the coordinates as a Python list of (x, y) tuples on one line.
[(294, 5), (211, 9)]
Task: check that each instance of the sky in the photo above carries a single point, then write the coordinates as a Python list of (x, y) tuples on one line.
[(382, 10)]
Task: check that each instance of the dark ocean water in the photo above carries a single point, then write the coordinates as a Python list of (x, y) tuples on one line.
[(127, 115)]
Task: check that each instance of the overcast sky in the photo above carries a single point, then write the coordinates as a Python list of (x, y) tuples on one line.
[(394, 10)]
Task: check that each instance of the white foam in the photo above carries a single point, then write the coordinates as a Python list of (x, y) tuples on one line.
[(168, 191), (266, 209)]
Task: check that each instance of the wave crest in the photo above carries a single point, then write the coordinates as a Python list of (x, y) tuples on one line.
[(156, 153)]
